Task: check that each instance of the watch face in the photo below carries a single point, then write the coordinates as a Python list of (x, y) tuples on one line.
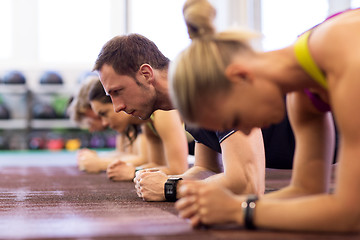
[(169, 189)]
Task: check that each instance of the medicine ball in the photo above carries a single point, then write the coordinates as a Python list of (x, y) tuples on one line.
[(14, 77), (43, 111), (51, 77)]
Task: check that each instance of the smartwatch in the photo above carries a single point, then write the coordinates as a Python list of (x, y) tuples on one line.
[(170, 188)]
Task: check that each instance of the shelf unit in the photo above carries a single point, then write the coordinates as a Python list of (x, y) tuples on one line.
[(17, 130)]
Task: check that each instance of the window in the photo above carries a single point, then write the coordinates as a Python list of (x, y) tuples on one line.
[(162, 22), (355, 3), (5, 29), (72, 31), (283, 20)]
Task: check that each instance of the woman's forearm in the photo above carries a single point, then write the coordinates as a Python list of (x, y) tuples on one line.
[(286, 192), (105, 162), (135, 160), (321, 212)]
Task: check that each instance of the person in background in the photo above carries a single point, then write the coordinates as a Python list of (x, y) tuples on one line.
[(164, 146), (80, 112), (244, 89), (79, 109), (134, 73)]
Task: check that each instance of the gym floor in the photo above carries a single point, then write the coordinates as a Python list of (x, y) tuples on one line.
[(44, 196)]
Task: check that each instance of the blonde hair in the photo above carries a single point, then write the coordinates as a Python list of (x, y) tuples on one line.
[(80, 103), (198, 71)]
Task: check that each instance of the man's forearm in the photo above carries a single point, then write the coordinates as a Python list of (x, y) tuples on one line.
[(197, 173), (194, 173)]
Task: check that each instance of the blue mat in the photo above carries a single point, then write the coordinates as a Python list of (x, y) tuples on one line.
[(37, 158)]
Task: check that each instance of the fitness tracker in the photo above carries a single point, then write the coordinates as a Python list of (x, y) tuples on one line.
[(170, 189), (248, 208)]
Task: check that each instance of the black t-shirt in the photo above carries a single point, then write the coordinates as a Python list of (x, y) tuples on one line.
[(279, 143), (211, 139)]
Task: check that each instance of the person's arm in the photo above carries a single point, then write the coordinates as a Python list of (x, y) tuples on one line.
[(244, 164), (207, 163), (289, 209), (173, 145), (89, 161), (306, 205), (314, 136), (139, 155), (123, 169), (340, 211), (150, 185)]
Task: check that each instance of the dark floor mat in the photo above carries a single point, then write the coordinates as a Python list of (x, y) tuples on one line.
[(50, 201)]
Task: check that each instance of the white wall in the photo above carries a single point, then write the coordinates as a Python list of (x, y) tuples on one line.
[(25, 47)]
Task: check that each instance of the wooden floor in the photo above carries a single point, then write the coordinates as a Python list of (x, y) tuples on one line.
[(44, 196)]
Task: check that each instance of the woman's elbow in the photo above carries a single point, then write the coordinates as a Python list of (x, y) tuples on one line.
[(347, 216), (351, 218)]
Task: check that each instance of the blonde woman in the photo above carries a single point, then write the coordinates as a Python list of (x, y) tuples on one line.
[(244, 89)]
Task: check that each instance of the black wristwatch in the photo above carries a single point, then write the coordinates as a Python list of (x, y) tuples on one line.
[(170, 188)]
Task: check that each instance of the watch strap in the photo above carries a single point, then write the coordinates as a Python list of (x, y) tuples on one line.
[(248, 210)]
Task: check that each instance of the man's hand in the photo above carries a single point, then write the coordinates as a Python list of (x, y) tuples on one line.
[(149, 185)]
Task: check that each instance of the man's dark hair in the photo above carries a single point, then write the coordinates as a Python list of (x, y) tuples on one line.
[(128, 52)]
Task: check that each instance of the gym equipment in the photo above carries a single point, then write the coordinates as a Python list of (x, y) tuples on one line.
[(36, 143), (85, 142), (4, 111), (73, 144), (51, 77), (97, 141), (55, 144), (54, 141), (14, 77), (43, 111), (4, 142), (60, 104), (111, 141)]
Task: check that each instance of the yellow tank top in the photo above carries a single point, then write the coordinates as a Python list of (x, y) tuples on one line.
[(151, 125), (306, 61)]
